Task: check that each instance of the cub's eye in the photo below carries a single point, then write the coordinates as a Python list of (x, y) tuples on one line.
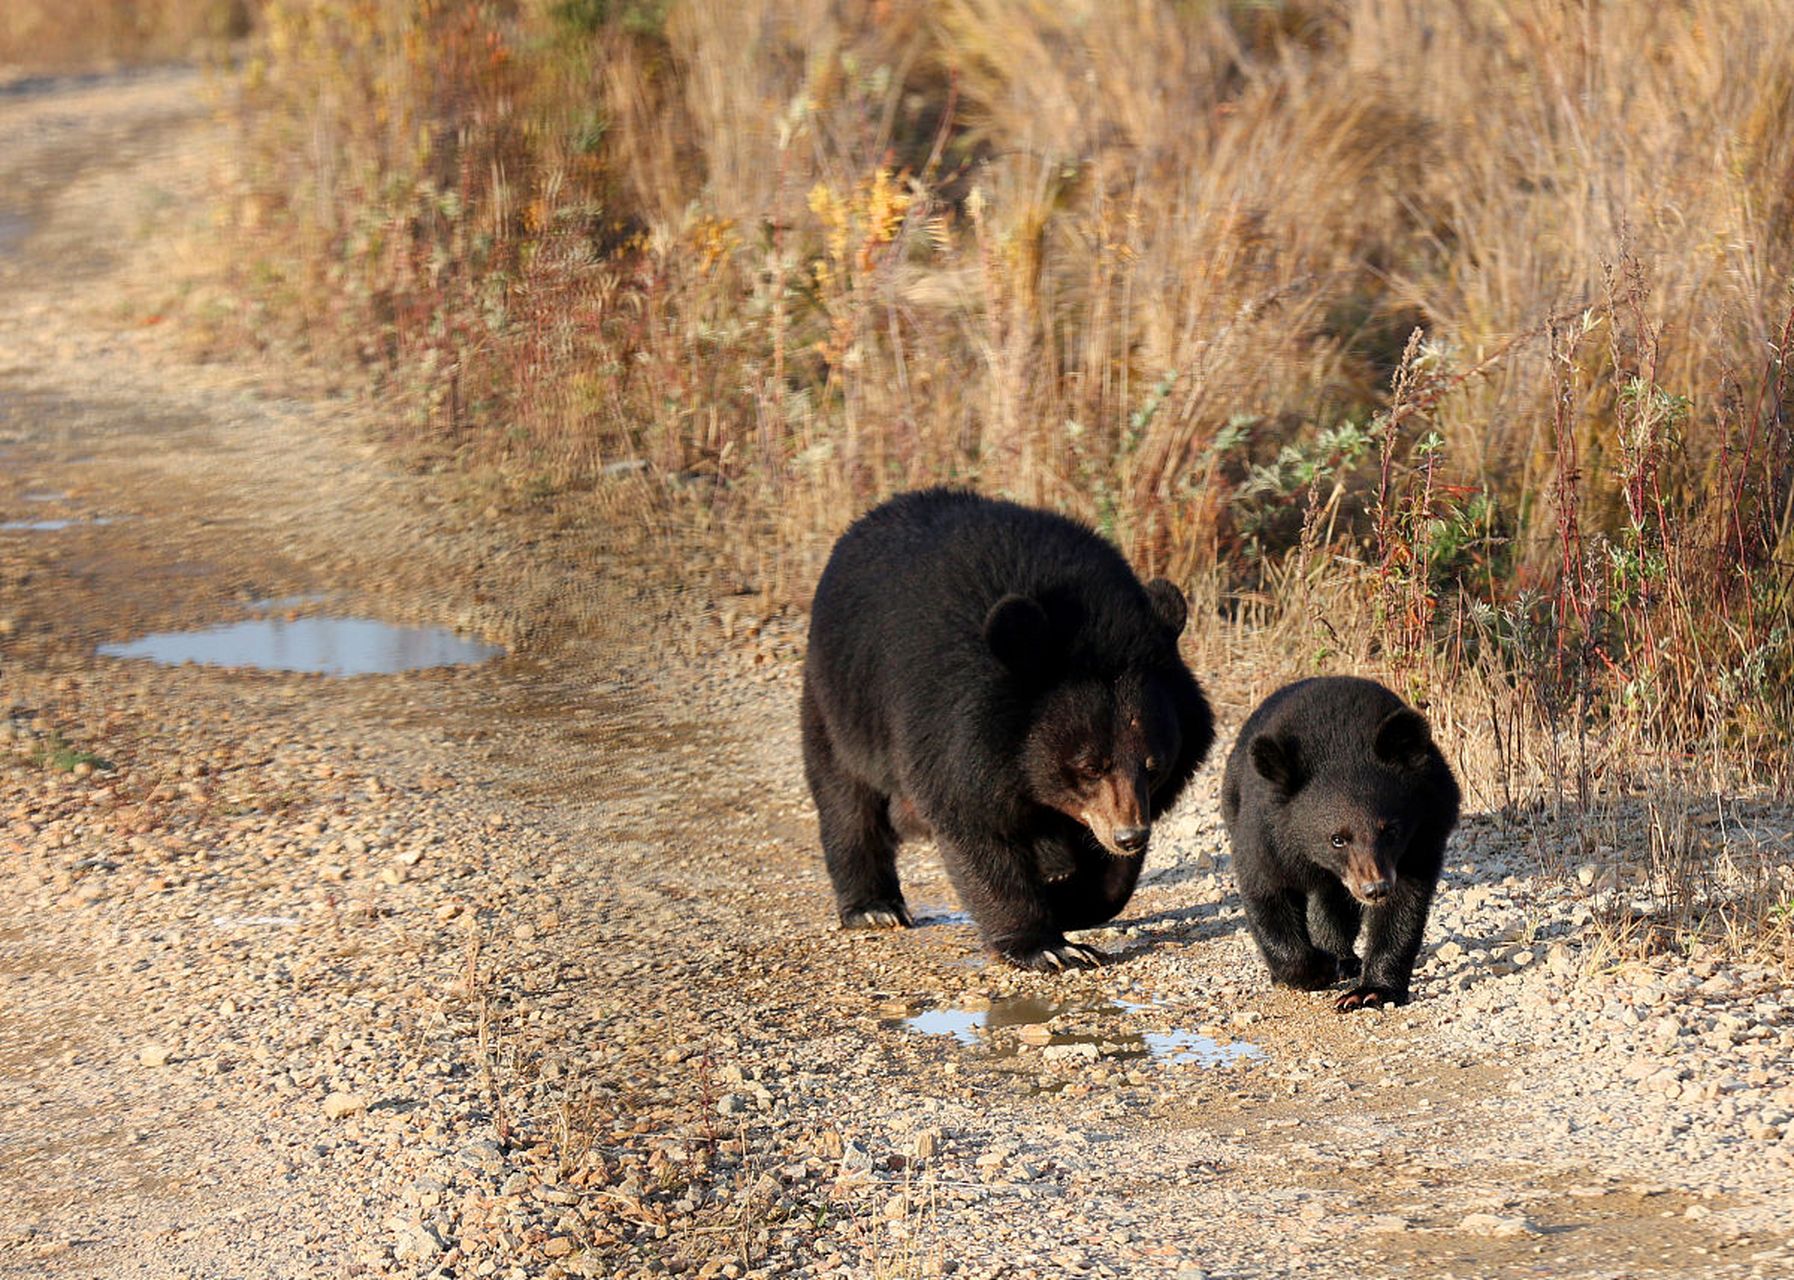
[(1341, 840), (1152, 764), (1091, 768)]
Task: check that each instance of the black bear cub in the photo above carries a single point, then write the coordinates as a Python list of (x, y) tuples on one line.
[(1338, 804), (997, 677)]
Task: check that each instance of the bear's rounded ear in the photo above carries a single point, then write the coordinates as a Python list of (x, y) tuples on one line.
[(1403, 737), (1016, 631), (1279, 762), (1168, 605)]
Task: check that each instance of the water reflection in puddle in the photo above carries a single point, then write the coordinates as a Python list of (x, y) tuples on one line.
[(1079, 1023), (277, 604), (320, 646), (13, 230), (942, 915), (47, 526)]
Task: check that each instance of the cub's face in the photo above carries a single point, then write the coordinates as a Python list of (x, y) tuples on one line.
[(1360, 836), (1353, 816), (1096, 752)]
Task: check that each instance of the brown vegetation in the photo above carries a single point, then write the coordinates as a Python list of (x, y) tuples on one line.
[(77, 35), (1446, 342)]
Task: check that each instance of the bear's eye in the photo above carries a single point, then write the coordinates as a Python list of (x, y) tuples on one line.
[(1341, 840), (1152, 764), (1091, 768)]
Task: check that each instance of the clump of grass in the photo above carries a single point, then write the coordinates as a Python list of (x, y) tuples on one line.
[(55, 753)]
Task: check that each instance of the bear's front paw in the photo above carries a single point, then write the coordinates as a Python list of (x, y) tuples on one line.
[(1369, 997), (1054, 957), (877, 915)]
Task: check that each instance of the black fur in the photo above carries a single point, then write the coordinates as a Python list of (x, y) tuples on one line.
[(982, 670), (1335, 780)]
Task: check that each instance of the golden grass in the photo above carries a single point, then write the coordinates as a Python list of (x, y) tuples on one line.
[(1446, 343), (75, 35)]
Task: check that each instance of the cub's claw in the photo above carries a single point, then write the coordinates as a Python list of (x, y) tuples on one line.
[(1369, 998), (1057, 958), (891, 915)]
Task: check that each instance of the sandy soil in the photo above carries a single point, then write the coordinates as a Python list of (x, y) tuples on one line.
[(528, 968)]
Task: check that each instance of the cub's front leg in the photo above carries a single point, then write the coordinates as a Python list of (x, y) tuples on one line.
[(1392, 934), (1279, 924)]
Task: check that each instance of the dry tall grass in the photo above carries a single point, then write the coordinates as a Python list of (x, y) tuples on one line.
[(76, 35), (1442, 341)]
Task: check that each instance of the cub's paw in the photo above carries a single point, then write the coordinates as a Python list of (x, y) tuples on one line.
[(878, 915), (1368, 997), (1056, 957)]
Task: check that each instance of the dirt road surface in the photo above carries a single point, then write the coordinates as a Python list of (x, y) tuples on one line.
[(527, 967)]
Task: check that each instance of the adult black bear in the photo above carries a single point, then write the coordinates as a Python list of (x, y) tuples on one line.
[(1339, 805), (997, 676)]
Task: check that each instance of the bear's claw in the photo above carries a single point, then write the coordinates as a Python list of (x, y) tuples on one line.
[(1058, 959), (892, 916), (1369, 998)]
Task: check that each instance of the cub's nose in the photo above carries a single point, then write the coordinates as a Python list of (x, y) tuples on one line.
[(1374, 890), (1132, 839)]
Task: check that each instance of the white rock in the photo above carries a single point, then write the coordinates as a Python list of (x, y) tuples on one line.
[(338, 1105), (1493, 1224)]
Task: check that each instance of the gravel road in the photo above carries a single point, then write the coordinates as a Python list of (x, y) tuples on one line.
[(527, 968)]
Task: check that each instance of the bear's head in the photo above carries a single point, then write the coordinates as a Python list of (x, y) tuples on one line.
[(1352, 816), (1097, 745)]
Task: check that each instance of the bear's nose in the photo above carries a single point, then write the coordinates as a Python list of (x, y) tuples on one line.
[(1133, 839), (1374, 890)]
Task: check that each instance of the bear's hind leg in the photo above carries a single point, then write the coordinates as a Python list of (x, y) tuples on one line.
[(859, 844), (1279, 924), (1333, 920)]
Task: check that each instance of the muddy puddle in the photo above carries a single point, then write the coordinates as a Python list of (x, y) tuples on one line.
[(1085, 1028), (317, 646), (14, 228), (280, 604), (50, 526), (937, 915)]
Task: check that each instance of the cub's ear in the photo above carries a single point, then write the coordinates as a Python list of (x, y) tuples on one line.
[(1168, 604), (1403, 737), (1016, 631), (1279, 762)]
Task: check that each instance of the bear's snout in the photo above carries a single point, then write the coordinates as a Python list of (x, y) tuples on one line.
[(1119, 815), (1372, 892), (1368, 879), (1132, 839)]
